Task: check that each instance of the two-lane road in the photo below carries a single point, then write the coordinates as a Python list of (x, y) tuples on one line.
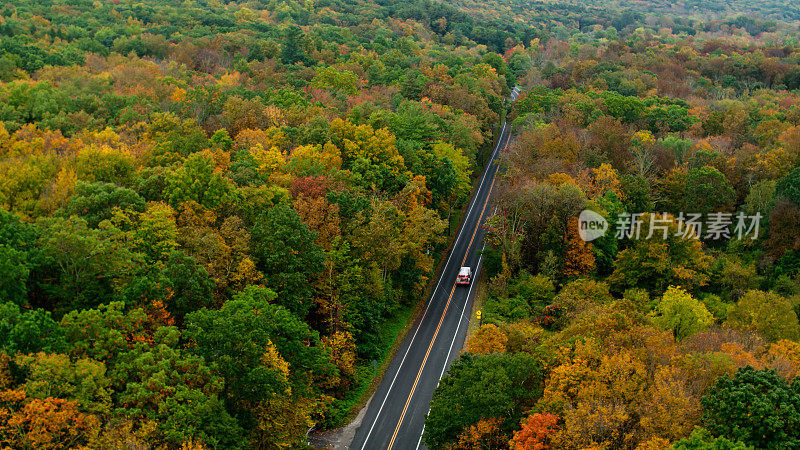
[(396, 414)]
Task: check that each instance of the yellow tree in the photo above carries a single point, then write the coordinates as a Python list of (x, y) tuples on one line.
[(153, 231), (485, 433), (680, 313), (377, 147), (598, 395), (767, 313), (56, 195), (552, 141), (578, 257), (272, 163), (284, 418), (422, 228), (55, 375), (378, 237), (444, 150), (606, 179), (23, 179), (343, 354), (487, 339), (316, 158), (672, 410), (104, 163), (642, 146), (415, 194), (223, 251)]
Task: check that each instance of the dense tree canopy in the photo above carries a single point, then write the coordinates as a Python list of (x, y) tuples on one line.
[(676, 123), (213, 210), (756, 407), (214, 216), (495, 386)]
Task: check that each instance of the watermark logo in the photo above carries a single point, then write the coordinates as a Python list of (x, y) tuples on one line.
[(591, 225), (712, 226)]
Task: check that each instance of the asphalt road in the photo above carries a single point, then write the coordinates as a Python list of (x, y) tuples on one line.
[(395, 416)]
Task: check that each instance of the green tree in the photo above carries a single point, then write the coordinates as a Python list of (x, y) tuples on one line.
[(681, 313), (14, 273), (28, 331), (414, 84), (19, 256), (177, 391), (669, 118), (84, 263), (701, 439), (96, 202), (636, 195), (442, 179), (756, 407), (180, 283), (155, 233), (197, 181), (498, 63), (460, 164), (663, 259), (236, 338), (707, 190), (288, 256), (788, 187), (336, 81), (526, 296), (676, 147), (768, 313), (761, 198), (626, 108), (103, 333), (190, 284), (291, 51), (497, 385), (175, 137), (546, 210)]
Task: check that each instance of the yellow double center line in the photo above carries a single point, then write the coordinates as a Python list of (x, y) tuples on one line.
[(441, 319)]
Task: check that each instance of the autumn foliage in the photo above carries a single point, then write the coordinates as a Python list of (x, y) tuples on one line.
[(652, 333), (209, 212), (535, 432)]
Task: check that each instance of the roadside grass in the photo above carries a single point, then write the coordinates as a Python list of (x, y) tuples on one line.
[(477, 304), (344, 410)]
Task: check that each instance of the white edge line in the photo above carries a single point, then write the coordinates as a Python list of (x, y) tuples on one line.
[(455, 335), (463, 310), (441, 278)]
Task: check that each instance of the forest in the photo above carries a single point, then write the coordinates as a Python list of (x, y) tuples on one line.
[(216, 217), (638, 340)]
